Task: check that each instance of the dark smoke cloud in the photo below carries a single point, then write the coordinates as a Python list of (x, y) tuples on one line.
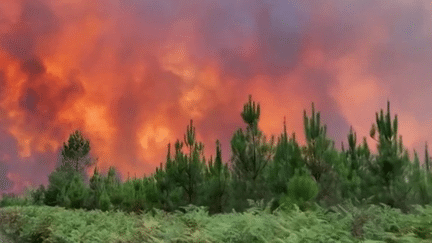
[(36, 21), (33, 67)]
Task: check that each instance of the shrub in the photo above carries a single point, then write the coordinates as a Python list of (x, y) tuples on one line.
[(13, 200), (38, 196), (104, 201), (301, 189)]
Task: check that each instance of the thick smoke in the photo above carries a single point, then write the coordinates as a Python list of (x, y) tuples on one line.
[(131, 74)]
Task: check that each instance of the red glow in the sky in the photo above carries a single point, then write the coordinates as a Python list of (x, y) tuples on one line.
[(131, 74)]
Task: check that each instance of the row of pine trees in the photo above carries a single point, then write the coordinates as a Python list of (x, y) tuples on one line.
[(279, 174)]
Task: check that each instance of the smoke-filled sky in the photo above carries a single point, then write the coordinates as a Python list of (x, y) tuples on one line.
[(130, 74)]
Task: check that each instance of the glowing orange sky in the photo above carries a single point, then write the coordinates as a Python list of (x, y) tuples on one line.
[(131, 74)]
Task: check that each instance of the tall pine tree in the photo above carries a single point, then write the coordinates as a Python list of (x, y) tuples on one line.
[(75, 154), (184, 174), (215, 190), (355, 159), (287, 160), (323, 161), (193, 174), (392, 163), (250, 156), (427, 159), (97, 187), (164, 177), (74, 160)]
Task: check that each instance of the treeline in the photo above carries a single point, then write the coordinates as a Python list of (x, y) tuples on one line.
[(280, 174)]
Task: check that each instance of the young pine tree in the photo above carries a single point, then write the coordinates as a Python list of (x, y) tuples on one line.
[(250, 156)]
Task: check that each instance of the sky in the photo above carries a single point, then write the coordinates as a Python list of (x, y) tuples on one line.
[(131, 74)]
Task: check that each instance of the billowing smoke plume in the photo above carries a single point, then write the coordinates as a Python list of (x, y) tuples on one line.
[(130, 75)]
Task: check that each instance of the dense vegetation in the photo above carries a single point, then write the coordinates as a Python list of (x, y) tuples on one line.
[(281, 174)]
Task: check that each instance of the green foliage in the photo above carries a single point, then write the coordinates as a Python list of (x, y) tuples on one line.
[(134, 198), (392, 163), (58, 180), (63, 199), (189, 171), (183, 174), (77, 192), (315, 173), (116, 196), (423, 191), (104, 202), (112, 181), (149, 192), (322, 160), (251, 154), (13, 200), (352, 176), (301, 189), (214, 192), (95, 189), (112, 185), (96, 182), (66, 183), (74, 153), (286, 160), (38, 195)]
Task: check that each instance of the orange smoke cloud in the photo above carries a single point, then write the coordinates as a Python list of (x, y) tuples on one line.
[(131, 74)]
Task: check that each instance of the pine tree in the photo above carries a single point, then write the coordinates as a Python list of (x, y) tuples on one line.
[(323, 161), (215, 190), (151, 193), (421, 181), (354, 160), (97, 181), (95, 189), (74, 162), (193, 175), (427, 159), (62, 198), (140, 197), (113, 187), (38, 195), (317, 143), (163, 188), (287, 160), (128, 198), (58, 181), (165, 179), (186, 171), (75, 154), (77, 192), (104, 201), (250, 156), (392, 162)]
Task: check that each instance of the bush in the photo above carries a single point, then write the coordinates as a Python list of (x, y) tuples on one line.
[(13, 200), (58, 180), (104, 201), (301, 190), (77, 192), (38, 196)]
